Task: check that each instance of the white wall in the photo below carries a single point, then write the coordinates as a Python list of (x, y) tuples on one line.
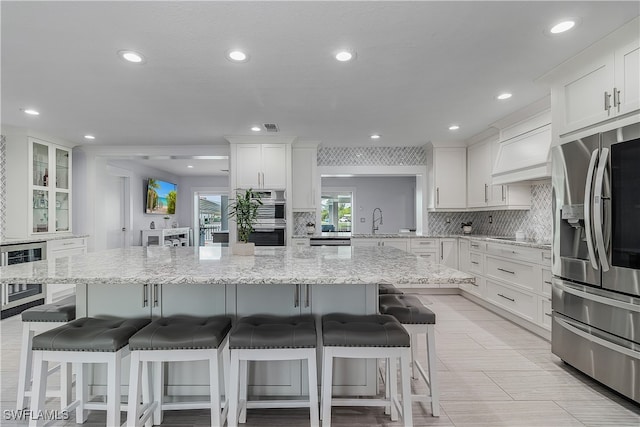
[(394, 195)]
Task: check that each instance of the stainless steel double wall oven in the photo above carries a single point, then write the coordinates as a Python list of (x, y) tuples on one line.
[(596, 257), (270, 229)]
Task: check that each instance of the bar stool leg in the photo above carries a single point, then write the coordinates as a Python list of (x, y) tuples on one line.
[(327, 381), (81, 392), (414, 356), (113, 390), (214, 387), (393, 386), (313, 388), (244, 377), (158, 391), (146, 389), (233, 397), (26, 363), (407, 415), (134, 390), (432, 365), (39, 389), (65, 385)]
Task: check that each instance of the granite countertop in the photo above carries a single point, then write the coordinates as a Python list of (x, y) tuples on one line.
[(215, 265), (18, 241)]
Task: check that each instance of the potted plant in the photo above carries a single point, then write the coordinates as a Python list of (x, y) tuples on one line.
[(245, 211)]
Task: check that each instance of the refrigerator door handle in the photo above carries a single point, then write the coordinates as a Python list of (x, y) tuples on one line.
[(586, 335), (588, 229), (598, 208)]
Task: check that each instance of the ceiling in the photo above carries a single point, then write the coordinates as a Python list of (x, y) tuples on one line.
[(420, 67)]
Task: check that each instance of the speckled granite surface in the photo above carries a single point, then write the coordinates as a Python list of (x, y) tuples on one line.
[(12, 241), (215, 265)]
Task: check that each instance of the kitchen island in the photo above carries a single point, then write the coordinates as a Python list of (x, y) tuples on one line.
[(162, 281)]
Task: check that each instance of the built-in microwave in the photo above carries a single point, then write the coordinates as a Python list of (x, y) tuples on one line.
[(273, 208)]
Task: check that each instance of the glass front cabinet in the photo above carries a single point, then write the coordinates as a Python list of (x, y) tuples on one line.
[(50, 187)]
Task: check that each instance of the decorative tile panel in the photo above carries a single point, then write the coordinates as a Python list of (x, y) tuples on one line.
[(3, 185), (536, 223), (300, 220), (371, 156)]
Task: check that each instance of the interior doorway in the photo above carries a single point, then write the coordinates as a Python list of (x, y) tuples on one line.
[(336, 208), (212, 223)]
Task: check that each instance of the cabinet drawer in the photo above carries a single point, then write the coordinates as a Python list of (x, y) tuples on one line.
[(477, 246), (545, 312), (518, 252), (424, 244), (546, 282), (546, 258), (66, 244), (517, 273), (476, 263), (477, 288), (521, 303), (428, 255)]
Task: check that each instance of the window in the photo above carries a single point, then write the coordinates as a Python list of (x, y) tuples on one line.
[(212, 219), (336, 211)]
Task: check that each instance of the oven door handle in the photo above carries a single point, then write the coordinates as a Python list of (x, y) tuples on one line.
[(588, 203), (598, 206), (597, 340), (597, 298)]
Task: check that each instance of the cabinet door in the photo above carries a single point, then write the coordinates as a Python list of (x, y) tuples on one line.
[(449, 252), (126, 301), (450, 167), (193, 300), (581, 96), (248, 165), (395, 243), (478, 180), (627, 80), (365, 242), (274, 166), (281, 378), (304, 169), (464, 260)]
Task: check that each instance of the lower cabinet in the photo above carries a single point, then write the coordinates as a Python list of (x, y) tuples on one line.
[(400, 243), (521, 303)]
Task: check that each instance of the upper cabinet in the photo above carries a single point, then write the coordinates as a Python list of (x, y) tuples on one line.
[(38, 187), (447, 178), (480, 191), (261, 166), (305, 177), (600, 84)]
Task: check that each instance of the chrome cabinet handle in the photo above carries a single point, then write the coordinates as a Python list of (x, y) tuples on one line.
[(588, 231), (510, 299), (155, 295), (475, 246), (442, 250), (306, 295), (616, 98), (486, 199), (506, 271), (296, 296), (548, 282), (145, 295), (475, 262), (597, 210), (607, 102), (548, 314), (503, 194), (437, 195)]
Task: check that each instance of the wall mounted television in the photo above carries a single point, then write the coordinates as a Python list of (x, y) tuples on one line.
[(161, 197)]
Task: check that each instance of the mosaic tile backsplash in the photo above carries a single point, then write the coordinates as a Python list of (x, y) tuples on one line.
[(371, 156), (536, 223), (3, 184), (300, 220)]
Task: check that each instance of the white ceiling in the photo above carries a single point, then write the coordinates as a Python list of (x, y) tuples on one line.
[(420, 67)]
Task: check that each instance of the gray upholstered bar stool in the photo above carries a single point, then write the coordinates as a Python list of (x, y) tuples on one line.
[(83, 341), (387, 289), (179, 338), (40, 319), (267, 337), (417, 319), (375, 336)]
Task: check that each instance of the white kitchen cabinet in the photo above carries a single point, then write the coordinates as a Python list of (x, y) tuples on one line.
[(464, 257), (602, 89), (261, 166), (447, 178), (449, 252), (58, 249), (479, 174), (400, 243), (305, 178), (38, 187), (521, 303)]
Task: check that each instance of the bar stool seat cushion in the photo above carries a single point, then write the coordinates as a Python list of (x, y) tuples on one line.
[(267, 331), (89, 334), (61, 311), (407, 309), (373, 330), (386, 289), (181, 332)]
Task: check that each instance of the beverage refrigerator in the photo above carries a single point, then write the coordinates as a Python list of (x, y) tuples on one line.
[(17, 297)]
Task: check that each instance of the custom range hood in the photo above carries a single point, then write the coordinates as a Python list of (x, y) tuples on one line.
[(525, 150)]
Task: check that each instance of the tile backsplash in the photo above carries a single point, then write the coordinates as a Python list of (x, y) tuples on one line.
[(300, 220), (371, 156), (536, 223), (3, 185)]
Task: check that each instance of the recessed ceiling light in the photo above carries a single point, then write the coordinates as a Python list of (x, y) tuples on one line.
[(190, 166), (236, 55), (256, 128), (31, 111), (345, 55), (505, 95), (131, 56), (563, 26), (89, 137), (375, 136), (454, 127)]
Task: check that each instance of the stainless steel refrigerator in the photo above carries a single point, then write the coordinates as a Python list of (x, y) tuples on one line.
[(596, 257)]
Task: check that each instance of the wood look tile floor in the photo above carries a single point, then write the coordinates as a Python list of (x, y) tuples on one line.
[(492, 373)]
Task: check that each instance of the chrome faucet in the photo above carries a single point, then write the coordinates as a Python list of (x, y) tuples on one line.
[(374, 227)]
